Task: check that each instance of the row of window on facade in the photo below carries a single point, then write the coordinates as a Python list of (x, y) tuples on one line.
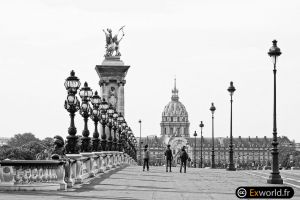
[(243, 152), (174, 130), (235, 148), (174, 119), (247, 158)]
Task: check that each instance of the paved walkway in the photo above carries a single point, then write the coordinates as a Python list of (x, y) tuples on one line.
[(132, 183)]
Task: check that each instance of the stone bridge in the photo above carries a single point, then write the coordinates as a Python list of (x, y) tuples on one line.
[(130, 182)]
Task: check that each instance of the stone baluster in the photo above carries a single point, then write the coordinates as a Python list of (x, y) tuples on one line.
[(24, 176), (108, 166), (89, 162), (75, 169), (100, 161), (85, 168), (114, 160), (118, 159), (95, 166), (60, 177)]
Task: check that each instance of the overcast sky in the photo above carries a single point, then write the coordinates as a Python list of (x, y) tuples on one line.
[(205, 44)]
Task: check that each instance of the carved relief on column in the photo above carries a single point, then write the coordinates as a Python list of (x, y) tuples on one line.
[(112, 94)]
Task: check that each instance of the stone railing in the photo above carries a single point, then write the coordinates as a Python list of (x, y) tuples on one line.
[(32, 175), (58, 174)]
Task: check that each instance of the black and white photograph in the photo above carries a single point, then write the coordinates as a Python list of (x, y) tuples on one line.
[(149, 100)]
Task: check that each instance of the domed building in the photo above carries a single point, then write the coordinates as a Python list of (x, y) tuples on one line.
[(175, 122), (175, 125), (249, 153)]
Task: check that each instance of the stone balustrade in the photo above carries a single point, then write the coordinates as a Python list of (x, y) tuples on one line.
[(58, 174), (32, 175)]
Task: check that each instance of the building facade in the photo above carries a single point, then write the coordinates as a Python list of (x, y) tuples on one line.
[(249, 152)]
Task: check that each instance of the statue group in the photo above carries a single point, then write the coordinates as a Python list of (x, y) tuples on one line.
[(112, 42)]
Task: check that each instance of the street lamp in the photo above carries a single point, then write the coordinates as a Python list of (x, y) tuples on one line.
[(213, 109), (201, 126), (85, 94), (129, 138), (140, 160), (95, 100), (110, 119), (120, 122), (123, 135), (103, 120), (72, 105), (231, 167), (115, 128), (274, 178), (195, 135)]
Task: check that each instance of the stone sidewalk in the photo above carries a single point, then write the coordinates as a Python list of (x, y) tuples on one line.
[(132, 183)]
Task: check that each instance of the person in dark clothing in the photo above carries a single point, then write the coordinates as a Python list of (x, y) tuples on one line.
[(183, 157), (169, 158), (146, 158)]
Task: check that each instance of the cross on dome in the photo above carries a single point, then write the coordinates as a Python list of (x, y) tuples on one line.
[(175, 96)]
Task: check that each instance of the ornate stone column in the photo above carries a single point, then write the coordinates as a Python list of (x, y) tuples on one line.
[(112, 73)]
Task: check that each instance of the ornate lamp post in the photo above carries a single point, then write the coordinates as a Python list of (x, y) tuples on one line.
[(140, 160), (201, 159), (231, 167), (115, 128), (135, 147), (120, 122), (275, 177), (129, 139), (123, 135), (103, 120), (72, 105), (213, 109), (85, 93), (195, 135), (110, 120), (95, 113)]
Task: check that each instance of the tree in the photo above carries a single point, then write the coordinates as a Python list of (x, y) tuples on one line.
[(20, 139), (27, 147), (48, 142), (34, 147), (17, 153)]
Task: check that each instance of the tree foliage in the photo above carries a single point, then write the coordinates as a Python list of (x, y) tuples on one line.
[(20, 139), (26, 147)]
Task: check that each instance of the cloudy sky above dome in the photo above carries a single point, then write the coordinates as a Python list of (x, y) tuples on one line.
[(205, 44)]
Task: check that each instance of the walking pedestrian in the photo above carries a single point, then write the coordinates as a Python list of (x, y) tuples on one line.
[(146, 157), (183, 157), (169, 158)]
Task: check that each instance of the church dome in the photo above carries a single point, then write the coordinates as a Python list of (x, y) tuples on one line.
[(175, 108), (175, 122)]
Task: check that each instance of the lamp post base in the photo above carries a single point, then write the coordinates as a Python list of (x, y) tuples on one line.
[(231, 168), (275, 179)]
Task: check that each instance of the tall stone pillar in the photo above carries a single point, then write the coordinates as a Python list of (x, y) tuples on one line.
[(112, 73)]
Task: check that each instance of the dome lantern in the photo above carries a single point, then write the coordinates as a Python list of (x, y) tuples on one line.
[(175, 92)]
